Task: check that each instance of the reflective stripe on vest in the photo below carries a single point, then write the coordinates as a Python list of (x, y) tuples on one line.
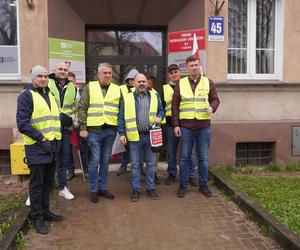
[(43, 119), (103, 109), (68, 106), (132, 133), (192, 106)]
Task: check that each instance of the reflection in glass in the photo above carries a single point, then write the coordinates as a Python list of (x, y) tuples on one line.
[(8, 22), (132, 43), (237, 37), (265, 34)]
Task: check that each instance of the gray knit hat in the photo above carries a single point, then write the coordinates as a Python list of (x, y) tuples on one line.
[(36, 70), (131, 75)]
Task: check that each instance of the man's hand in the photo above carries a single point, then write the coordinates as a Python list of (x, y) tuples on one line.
[(157, 120), (209, 110), (177, 131), (84, 133), (123, 140)]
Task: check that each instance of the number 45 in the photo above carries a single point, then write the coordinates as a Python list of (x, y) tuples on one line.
[(216, 28)]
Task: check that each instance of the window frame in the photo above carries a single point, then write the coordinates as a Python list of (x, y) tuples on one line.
[(14, 76), (251, 45)]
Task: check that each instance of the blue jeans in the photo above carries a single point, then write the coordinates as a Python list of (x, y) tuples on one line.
[(202, 139), (140, 152), (125, 157), (63, 158), (83, 154), (172, 146), (100, 146)]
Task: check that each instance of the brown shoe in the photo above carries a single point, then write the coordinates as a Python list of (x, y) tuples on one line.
[(94, 197)]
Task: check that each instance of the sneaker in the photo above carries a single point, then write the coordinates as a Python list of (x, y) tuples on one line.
[(193, 182), (52, 217), (205, 190), (106, 194), (122, 170), (70, 175), (94, 197), (66, 194), (171, 179), (40, 226), (27, 203), (152, 194), (181, 191), (135, 196)]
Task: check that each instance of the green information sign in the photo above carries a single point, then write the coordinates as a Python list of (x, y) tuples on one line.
[(66, 49)]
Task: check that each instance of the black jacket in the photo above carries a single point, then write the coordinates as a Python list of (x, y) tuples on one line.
[(43, 151)]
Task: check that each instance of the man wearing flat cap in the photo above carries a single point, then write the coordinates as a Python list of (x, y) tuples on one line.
[(38, 121), (174, 75)]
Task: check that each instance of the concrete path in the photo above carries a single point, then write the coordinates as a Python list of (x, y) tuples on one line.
[(194, 222)]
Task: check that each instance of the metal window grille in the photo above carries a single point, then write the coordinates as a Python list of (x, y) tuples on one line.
[(254, 153), (5, 162)]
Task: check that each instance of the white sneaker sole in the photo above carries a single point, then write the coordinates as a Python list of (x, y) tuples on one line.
[(61, 195)]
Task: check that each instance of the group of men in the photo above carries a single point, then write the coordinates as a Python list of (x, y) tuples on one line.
[(47, 113)]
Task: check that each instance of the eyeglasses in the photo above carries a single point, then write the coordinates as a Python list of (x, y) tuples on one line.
[(63, 69), (141, 81)]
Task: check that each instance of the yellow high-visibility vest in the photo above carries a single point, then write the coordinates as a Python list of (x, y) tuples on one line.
[(103, 110), (168, 94), (193, 105), (68, 106), (124, 89), (132, 133), (44, 119)]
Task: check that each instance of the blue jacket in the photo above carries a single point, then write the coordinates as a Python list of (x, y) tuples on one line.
[(43, 151), (121, 119)]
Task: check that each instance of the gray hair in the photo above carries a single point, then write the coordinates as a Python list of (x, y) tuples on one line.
[(104, 65)]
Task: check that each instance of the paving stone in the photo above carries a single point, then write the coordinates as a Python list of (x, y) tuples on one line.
[(194, 222)]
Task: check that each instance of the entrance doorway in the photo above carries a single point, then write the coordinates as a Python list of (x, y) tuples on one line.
[(126, 50)]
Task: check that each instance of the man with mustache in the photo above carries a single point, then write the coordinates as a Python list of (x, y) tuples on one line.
[(138, 111)]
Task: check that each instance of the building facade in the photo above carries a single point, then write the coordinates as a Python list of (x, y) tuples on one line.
[(255, 66)]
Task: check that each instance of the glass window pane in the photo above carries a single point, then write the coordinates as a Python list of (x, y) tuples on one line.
[(8, 37), (237, 36), (129, 43), (265, 36)]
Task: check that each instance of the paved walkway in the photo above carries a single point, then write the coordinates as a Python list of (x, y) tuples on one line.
[(194, 222)]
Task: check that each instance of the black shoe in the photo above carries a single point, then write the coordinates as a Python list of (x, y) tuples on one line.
[(70, 175), (40, 226), (152, 194), (94, 197), (135, 196), (205, 190), (106, 194), (122, 170), (181, 191), (156, 180), (52, 217), (193, 182), (171, 178)]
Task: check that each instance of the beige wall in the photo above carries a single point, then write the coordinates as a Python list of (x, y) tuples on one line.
[(190, 17), (64, 22), (291, 52), (33, 36)]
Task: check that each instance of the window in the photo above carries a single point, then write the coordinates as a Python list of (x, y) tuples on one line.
[(9, 46), (254, 153), (255, 39)]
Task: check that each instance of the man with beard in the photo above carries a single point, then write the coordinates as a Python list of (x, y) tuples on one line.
[(64, 92), (138, 111)]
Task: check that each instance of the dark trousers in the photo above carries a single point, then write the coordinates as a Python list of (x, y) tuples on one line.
[(40, 187)]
